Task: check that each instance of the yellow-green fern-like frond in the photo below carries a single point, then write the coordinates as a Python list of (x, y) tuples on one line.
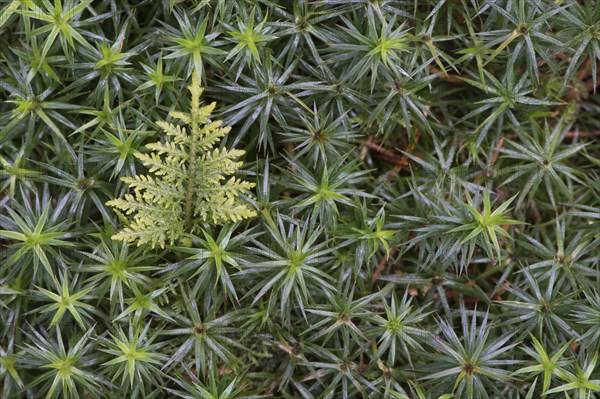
[(190, 182)]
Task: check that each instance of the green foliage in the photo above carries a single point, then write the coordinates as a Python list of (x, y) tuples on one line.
[(363, 199), (69, 370), (487, 224), (134, 357), (472, 366), (543, 363), (186, 189), (64, 300)]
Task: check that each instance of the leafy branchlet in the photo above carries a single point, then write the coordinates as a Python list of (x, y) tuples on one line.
[(186, 188)]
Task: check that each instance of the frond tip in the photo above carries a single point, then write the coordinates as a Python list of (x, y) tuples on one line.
[(188, 184)]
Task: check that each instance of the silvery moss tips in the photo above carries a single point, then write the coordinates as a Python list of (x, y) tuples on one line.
[(186, 188)]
